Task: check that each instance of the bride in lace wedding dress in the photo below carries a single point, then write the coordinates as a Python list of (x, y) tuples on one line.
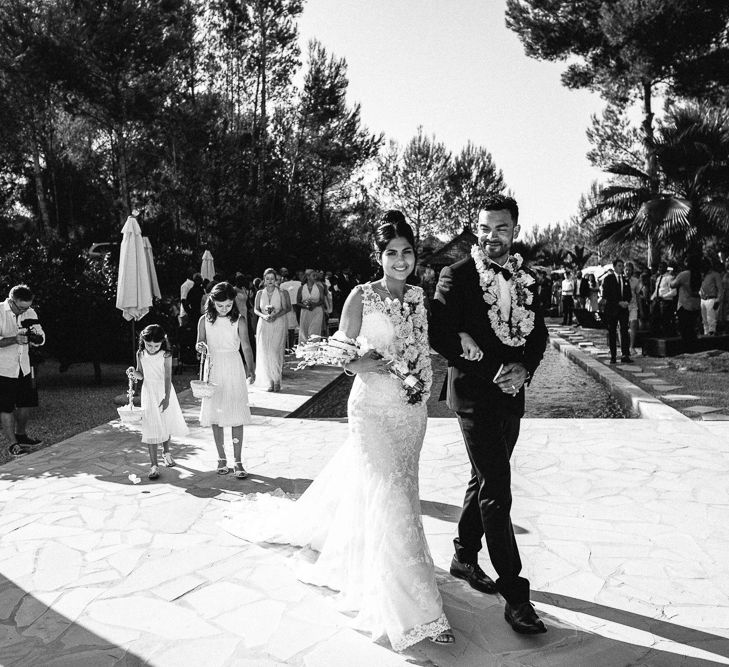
[(362, 513)]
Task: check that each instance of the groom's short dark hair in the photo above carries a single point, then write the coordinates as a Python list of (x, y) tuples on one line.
[(500, 203)]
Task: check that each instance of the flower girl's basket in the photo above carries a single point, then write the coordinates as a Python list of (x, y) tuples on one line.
[(203, 388), (130, 414)]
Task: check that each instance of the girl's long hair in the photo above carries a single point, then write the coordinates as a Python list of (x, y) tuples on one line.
[(222, 292), (154, 333)]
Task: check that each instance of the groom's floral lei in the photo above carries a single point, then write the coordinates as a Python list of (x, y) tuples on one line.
[(409, 353), (513, 331)]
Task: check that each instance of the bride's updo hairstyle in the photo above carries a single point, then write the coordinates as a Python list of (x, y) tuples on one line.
[(392, 225)]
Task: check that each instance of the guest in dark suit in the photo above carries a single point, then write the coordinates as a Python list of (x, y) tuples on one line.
[(616, 291), (493, 338)]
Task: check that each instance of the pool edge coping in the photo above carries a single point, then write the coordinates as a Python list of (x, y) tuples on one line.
[(638, 402)]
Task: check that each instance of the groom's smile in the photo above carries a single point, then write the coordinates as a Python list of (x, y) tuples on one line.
[(496, 231)]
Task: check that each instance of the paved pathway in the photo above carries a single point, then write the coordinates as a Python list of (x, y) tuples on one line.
[(622, 526)]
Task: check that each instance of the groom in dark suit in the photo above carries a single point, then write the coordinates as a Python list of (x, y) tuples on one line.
[(487, 323)]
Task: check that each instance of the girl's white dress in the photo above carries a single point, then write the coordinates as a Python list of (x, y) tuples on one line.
[(158, 426), (311, 320), (362, 512), (270, 342), (228, 406)]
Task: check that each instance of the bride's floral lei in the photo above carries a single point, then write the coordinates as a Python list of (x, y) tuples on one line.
[(409, 353), (408, 356), (513, 331)]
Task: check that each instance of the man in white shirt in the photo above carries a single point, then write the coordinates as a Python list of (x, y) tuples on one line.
[(19, 330), (664, 302), (568, 298), (184, 291), (290, 285)]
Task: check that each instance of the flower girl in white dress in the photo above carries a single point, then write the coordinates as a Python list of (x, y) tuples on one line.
[(225, 333), (162, 416), (362, 513)]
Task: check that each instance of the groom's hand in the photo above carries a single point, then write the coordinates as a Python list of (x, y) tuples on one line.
[(444, 284), (512, 378)]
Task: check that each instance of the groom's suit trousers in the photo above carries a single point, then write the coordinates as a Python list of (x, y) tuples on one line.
[(490, 439)]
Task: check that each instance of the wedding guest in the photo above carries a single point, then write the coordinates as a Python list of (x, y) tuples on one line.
[(272, 306), (568, 302), (711, 293), (644, 301), (291, 287), (663, 301), (688, 313), (242, 300), (634, 283), (311, 298), (19, 331), (616, 292), (184, 290), (593, 294), (723, 316), (557, 293), (545, 294), (583, 290)]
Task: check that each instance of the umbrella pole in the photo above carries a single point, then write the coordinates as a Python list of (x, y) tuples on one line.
[(134, 346)]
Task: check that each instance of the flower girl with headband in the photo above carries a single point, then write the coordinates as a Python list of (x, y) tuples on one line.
[(222, 333), (162, 417)]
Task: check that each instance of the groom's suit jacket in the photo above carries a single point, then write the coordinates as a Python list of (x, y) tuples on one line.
[(470, 384)]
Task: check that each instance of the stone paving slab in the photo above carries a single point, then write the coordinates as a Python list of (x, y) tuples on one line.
[(621, 524), (702, 409)]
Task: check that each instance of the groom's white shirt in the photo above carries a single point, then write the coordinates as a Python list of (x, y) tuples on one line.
[(504, 295), (504, 287)]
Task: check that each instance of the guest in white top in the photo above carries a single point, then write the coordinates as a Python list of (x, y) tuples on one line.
[(19, 330), (184, 291), (291, 286), (568, 298)]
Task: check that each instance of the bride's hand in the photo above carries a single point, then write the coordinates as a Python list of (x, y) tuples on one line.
[(370, 362)]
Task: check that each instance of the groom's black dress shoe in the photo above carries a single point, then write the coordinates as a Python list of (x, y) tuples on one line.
[(474, 575), (522, 618)]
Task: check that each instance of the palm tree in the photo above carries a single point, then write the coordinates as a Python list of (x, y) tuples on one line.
[(692, 152), (579, 256), (552, 257)]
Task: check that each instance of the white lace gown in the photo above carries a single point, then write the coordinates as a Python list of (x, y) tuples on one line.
[(228, 406), (362, 513)]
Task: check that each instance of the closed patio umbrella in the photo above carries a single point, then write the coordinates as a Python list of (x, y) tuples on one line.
[(134, 286), (207, 269), (150, 266)]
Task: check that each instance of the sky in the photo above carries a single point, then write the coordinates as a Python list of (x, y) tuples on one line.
[(453, 67)]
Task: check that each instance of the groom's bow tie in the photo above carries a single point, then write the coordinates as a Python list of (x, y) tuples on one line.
[(504, 271)]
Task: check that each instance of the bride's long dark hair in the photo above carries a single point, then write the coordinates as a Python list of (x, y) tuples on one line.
[(392, 226)]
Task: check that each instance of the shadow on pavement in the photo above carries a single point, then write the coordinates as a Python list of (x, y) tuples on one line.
[(484, 638), (31, 633)]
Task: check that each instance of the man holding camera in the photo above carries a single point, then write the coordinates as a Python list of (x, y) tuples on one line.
[(19, 330)]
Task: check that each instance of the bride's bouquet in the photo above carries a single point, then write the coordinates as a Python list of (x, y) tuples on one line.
[(338, 350), (405, 366)]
